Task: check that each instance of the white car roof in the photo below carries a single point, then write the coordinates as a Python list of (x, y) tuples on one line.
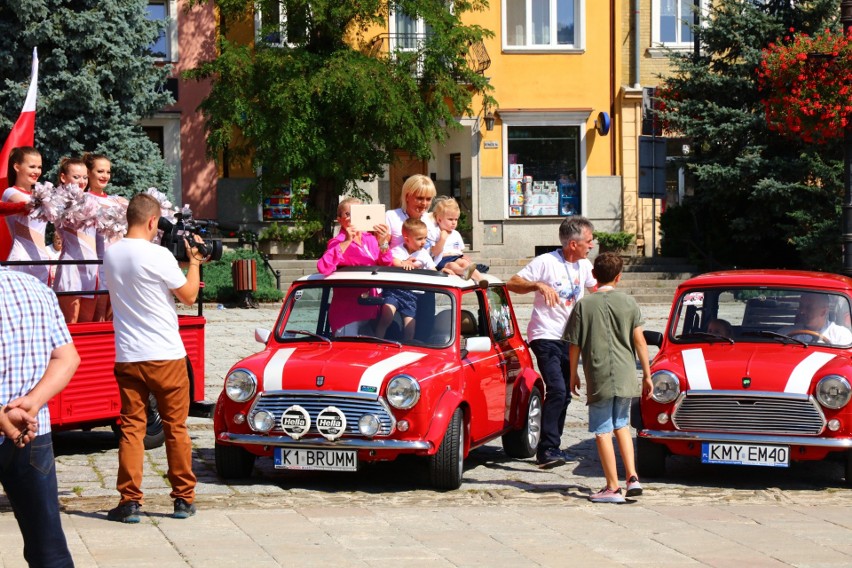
[(399, 275)]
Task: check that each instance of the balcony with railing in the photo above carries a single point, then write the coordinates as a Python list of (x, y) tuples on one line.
[(392, 45)]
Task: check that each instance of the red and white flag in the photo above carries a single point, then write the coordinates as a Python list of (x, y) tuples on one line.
[(22, 134)]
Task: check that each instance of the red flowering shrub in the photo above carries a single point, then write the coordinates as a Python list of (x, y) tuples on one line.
[(806, 84)]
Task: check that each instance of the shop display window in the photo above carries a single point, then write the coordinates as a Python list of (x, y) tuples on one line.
[(543, 166)]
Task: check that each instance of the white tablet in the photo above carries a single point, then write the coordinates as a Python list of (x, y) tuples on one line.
[(364, 217)]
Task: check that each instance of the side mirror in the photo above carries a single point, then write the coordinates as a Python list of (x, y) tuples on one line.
[(261, 335), (478, 344), (653, 338)]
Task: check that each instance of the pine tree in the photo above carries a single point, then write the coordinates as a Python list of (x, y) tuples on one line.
[(97, 78), (760, 199), (324, 104)]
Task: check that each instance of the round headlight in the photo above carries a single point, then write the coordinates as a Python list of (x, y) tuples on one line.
[(240, 385), (666, 386), (403, 392), (833, 391), (369, 424), (262, 421)]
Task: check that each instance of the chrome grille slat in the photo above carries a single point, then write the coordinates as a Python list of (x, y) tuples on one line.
[(352, 408), (748, 414)]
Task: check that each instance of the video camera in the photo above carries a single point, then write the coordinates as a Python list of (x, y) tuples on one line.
[(184, 227)]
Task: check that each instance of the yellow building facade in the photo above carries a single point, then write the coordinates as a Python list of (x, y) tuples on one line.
[(558, 145)]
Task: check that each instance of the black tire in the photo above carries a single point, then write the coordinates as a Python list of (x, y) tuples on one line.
[(650, 458), (446, 466), (233, 462), (523, 443), (154, 434), (847, 467)]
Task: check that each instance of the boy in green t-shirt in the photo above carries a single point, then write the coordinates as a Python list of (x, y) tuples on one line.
[(606, 327)]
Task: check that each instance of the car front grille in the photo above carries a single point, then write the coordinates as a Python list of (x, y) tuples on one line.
[(761, 414), (352, 406)]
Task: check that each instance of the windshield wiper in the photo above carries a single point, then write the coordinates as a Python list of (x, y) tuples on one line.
[(370, 338), (310, 333), (706, 335), (775, 335)]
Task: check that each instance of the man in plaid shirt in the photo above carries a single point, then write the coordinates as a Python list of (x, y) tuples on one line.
[(37, 359)]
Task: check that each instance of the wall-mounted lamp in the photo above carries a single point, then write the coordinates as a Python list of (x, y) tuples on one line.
[(489, 121)]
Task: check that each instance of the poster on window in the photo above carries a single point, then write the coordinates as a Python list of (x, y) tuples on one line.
[(543, 161)]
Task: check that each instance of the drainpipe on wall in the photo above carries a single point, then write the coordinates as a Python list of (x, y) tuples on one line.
[(636, 58), (612, 83)]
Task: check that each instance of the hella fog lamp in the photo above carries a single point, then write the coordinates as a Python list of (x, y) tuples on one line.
[(262, 421), (368, 425), (403, 392), (666, 387), (240, 385), (833, 391)]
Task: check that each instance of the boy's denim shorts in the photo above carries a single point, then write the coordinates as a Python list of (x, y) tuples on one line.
[(608, 415)]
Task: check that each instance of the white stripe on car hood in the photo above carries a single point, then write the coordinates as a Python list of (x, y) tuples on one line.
[(374, 375), (696, 369), (274, 371), (800, 378)]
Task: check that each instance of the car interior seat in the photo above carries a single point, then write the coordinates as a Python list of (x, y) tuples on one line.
[(442, 328), (468, 326)]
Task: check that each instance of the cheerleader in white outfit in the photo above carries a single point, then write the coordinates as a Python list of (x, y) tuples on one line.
[(78, 243), (27, 233), (100, 172)]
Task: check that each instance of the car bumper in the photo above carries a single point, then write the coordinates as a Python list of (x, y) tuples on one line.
[(680, 436), (345, 443)]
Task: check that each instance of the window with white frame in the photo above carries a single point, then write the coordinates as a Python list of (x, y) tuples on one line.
[(545, 162), (406, 33), (550, 25), (282, 22), (673, 21), (165, 47)]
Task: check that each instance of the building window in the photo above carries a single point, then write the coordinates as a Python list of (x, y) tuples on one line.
[(282, 22), (544, 166), (165, 47), (542, 24), (673, 20)]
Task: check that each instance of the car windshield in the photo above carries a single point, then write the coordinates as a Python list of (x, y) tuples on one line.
[(334, 312), (762, 314)]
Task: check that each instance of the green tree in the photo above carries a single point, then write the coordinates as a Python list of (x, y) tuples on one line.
[(760, 199), (97, 78), (317, 99)]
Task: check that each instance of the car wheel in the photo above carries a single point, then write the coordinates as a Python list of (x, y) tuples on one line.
[(233, 462), (154, 434), (650, 458), (523, 443), (847, 470), (447, 465)]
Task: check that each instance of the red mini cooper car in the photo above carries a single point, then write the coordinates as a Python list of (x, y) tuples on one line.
[(753, 369), (333, 389)]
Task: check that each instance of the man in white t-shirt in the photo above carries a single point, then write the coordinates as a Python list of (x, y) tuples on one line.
[(558, 279), (149, 355)]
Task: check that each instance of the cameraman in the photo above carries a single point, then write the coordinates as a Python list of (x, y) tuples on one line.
[(149, 355)]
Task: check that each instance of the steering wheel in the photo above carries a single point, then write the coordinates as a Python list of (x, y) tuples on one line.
[(818, 335)]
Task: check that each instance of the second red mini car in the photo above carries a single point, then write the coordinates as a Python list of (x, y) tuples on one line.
[(754, 368)]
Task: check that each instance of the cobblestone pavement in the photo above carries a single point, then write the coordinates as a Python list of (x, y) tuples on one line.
[(507, 512)]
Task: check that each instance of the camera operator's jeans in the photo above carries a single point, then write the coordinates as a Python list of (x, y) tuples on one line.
[(28, 476), (169, 382)]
